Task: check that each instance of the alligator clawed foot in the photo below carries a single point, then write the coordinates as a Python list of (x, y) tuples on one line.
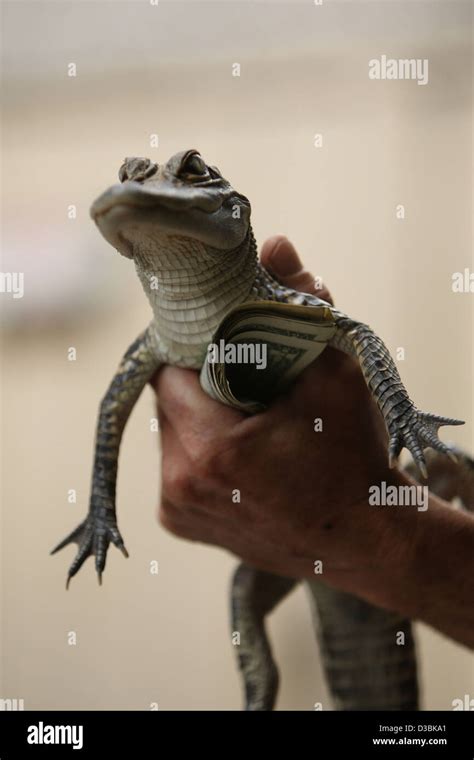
[(416, 430), (93, 536)]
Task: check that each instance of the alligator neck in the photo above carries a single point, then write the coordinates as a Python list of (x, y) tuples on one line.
[(188, 283)]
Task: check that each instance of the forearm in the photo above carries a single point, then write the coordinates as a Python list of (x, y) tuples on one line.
[(304, 498), (441, 591), (424, 568)]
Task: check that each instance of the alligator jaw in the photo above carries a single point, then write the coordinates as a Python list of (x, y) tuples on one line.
[(154, 194), (125, 214)]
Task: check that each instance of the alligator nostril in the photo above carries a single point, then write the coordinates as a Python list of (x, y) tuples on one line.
[(137, 169)]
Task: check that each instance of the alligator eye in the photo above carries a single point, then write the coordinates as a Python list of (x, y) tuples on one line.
[(194, 165)]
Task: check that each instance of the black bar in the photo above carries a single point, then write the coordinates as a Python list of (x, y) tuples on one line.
[(312, 734)]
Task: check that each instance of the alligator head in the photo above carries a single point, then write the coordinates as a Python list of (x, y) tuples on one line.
[(184, 197)]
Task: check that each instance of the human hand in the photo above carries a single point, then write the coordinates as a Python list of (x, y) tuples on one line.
[(303, 494)]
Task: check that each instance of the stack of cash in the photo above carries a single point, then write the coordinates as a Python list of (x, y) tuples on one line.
[(260, 348)]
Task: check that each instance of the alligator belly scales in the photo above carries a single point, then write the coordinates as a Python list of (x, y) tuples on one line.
[(189, 234)]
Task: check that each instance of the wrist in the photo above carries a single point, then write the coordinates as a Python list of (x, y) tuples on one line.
[(422, 566), (392, 517)]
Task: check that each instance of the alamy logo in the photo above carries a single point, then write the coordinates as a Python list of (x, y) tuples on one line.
[(463, 282), (41, 734), (385, 495), (12, 704), (12, 282), (399, 68), (467, 703), (237, 353)]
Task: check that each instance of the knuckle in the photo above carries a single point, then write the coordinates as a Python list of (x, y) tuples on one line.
[(302, 281), (215, 464), (205, 454), (306, 283), (178, 484)]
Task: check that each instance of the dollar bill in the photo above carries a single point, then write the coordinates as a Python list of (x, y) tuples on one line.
[(260, 348)]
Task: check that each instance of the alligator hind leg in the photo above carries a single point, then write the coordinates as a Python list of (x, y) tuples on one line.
[(254, 595), (368, 654)]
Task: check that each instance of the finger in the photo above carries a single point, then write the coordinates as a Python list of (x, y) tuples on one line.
[(279, 256), (187, 407)]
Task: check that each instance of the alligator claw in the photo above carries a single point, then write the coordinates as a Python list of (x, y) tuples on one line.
[(93, 537), (417, 430)]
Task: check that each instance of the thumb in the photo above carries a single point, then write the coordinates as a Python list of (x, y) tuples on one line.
[(279, 256)]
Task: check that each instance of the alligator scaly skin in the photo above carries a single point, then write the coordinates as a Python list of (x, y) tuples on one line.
[(189, 234)]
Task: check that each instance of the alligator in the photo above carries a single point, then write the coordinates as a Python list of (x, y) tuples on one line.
[(189, 234)]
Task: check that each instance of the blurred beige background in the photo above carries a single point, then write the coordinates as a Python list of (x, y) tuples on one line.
[(167, 70)]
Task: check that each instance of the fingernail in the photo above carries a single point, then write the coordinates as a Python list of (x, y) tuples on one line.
[(284, 260)]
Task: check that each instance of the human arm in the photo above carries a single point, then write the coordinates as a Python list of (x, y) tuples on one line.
[(304, 494)]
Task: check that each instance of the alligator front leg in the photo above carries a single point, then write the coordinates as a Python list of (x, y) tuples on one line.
[(99, 528), (406, 425)]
